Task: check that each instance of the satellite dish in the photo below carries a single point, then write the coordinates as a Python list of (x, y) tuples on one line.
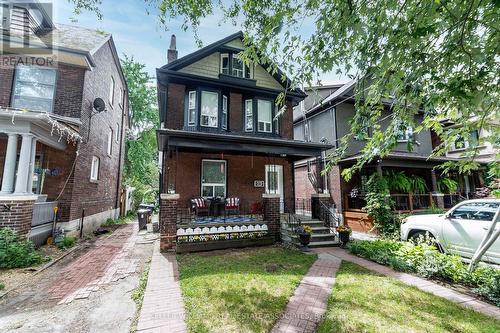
[(99, 105)]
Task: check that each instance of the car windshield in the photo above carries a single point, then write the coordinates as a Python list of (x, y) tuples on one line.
[(480, 211)]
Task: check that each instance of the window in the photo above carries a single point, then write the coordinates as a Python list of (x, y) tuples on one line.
[(213, 178), (479, 211), (224, 112), (117, 132), (248, 115), (192, 108), (34, 88), (405, 133), (5, 10), (209, 109), (277, 120), (238, 67), (224, 63), (112, 91), (94, 169), (120, 98), (462, 143), (109, 148), (264, 116)]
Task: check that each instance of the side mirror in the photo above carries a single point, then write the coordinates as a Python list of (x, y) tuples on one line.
[(447, 216)]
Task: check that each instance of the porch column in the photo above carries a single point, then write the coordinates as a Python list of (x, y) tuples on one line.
[(23, 166), (32, 165), (168, 221), (438, 197), (9, 168), (272, 214)]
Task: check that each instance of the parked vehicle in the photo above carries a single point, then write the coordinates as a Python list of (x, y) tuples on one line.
[(460, 230)]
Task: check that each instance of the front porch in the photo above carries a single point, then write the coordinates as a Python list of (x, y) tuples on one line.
[(36, 154)]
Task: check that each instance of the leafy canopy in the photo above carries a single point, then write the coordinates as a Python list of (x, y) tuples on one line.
[(438, 57)]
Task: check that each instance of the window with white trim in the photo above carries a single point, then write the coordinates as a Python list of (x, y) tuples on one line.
[(224, 112), (209, 109), (192, 108), (213, 178), (224, 63), (94, 169), (34, 88), (276, 120), (109, 147), (112, 91), (264, 116), (238, 67), (248, 115)]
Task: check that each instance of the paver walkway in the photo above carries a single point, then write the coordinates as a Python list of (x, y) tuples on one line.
[(308, 303), (107, 261), (420, 283), (162, 309)]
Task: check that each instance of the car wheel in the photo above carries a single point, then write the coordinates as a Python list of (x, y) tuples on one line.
[(421, 236)]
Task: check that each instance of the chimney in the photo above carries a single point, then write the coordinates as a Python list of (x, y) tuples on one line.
[(172, 50)]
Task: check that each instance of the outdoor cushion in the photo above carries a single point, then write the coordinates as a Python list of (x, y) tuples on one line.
[(199, 202), (232, 203)]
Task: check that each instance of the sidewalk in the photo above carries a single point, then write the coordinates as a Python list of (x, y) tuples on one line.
[(420, 283), (162, 309)]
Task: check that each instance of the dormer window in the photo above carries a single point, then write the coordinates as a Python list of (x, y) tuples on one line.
[(231, 64)]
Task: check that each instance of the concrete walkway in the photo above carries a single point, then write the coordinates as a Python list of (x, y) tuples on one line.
[(162, 309), (420, 283), (309, 302)]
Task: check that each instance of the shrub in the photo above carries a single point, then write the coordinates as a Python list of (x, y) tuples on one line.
[(118, 221), (15, 252), (2, 286), (379, 205), (424, 260), (67, 242)]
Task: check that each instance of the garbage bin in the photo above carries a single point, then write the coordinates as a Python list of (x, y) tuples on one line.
[(143, 217)]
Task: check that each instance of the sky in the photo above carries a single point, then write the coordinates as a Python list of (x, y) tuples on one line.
[(137, 33)]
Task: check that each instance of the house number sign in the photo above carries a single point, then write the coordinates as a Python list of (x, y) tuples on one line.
[(258, 183)]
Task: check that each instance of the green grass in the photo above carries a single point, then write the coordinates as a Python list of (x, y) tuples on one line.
[(118, 221), (363, 301), (239, 291), (138, 297)]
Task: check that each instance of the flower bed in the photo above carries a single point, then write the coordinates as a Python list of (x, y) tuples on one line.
[(426, 261)]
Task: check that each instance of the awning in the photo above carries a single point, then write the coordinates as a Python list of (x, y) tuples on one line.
[(237, 144)]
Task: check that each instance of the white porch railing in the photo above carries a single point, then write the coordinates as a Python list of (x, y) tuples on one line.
[(43, 212)]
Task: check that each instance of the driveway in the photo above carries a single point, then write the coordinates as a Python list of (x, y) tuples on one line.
[(87, 291)]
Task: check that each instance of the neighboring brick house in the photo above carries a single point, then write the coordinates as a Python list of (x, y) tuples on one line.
[(58, 149), (325, 116), (219, 137)]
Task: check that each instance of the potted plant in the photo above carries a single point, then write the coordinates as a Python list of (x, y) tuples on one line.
[(344, 233), (304, 232)]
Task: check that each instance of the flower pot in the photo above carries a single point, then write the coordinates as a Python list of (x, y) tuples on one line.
[(305, 239), (344, 238)]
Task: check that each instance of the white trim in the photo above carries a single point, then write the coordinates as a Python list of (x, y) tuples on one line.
[(94, 175), (225, 55), (206, 115), (224, 112), (248, 113), (191, 106), (213, 184)]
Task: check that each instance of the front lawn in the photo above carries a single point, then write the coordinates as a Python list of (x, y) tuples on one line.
[(362, 301), (239, 290)]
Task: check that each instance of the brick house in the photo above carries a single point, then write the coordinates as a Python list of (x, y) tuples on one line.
[(63, 116), (325, 115), (221, 143)]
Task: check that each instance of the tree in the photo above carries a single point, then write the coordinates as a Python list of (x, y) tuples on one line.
[(438, 57), (141, 163)]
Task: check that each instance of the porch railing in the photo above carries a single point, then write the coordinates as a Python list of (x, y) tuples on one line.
[(328, 214), (43, 213)]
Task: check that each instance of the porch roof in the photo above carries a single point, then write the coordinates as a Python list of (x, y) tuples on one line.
[(239, 144)]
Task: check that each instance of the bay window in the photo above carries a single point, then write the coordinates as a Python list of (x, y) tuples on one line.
[(209, 109), (249, 115), (34, 88), (192, 108), (224, 112), (264, 116), (213, 178)]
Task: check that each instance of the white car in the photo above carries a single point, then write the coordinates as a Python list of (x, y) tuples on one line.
[(460, 230)]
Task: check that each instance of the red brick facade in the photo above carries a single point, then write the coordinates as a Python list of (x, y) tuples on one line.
[(168, 221), (17, 214)]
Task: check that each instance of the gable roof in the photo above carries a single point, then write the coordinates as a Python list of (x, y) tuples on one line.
[(214, 47)]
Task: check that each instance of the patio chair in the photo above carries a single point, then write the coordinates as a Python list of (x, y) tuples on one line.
[(199, 206), (232, 205)]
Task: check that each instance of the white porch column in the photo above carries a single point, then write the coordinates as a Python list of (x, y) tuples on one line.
[(23, 166), (32, 165), (9, 168)]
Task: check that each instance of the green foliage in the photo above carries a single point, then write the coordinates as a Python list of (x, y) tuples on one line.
[(379, 205), (447, 185), (398, 181), (418, 184), (15, 252), (67, 242), (141, 163), (2, 286), (118, 221), (432, 210), (424, 259)]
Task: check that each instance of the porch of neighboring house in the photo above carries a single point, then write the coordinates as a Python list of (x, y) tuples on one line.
[(36, 158), (353, 192), (228, 190)]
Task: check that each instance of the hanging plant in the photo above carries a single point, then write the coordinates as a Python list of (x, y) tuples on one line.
[(418, 185), (398, 181), (447, 185)]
